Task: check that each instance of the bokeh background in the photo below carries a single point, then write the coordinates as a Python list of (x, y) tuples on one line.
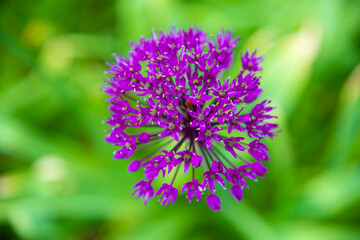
[(57, 176)]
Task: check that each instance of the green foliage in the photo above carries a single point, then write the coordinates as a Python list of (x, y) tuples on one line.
[(57, 176)]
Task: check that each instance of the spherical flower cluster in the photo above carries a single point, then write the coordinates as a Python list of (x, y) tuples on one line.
[(169, 94)]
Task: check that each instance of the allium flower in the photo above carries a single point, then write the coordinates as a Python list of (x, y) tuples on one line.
[(171, 106)]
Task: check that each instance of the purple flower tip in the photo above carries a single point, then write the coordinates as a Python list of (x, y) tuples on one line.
[(144, 137), (216, 167), (168, 193), (192, 188), (143, 190), (170, 88), (214, 202), (237, 192), (134, 166)]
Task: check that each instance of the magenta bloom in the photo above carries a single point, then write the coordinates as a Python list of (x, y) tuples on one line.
[(144, 190), (168, 193), (214, 202), (171, 105), (192, 188)]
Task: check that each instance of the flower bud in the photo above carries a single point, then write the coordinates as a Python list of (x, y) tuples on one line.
[(134, 166), (237, 192), (144, 137), (214, 202), (259, 169), (216, 167)]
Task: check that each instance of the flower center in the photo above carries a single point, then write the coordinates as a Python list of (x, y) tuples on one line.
[(139, 117), (201, 117), (153, 112), (167, 159), (170, 106), (187, 157), (134, 80), (147, 85), (172, 126), (159, 91), (208, 133)]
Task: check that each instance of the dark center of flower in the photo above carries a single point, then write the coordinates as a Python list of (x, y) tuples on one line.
[(128, 145), (153, 112), (187, 157), (172, 126), (170, 106), (222, 93), (201, 117), (208, 133), (139, 117), (159, 91), (147, 85)]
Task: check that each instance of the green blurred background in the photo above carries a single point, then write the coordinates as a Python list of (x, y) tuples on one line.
[(57, 176)]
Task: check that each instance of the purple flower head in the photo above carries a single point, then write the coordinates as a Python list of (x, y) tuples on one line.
[(144, 137), (143, 190), (170, 88), (200, 117), (192, 188), (168, 193), (214, 202), (259, 169), (250, 62), (172, 127), (210, 178), (237, 192), (188, 158), (129, 147), (216, 167), (234, 142), (134, 166), (208, 135), (234, 176), (258, 150)]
